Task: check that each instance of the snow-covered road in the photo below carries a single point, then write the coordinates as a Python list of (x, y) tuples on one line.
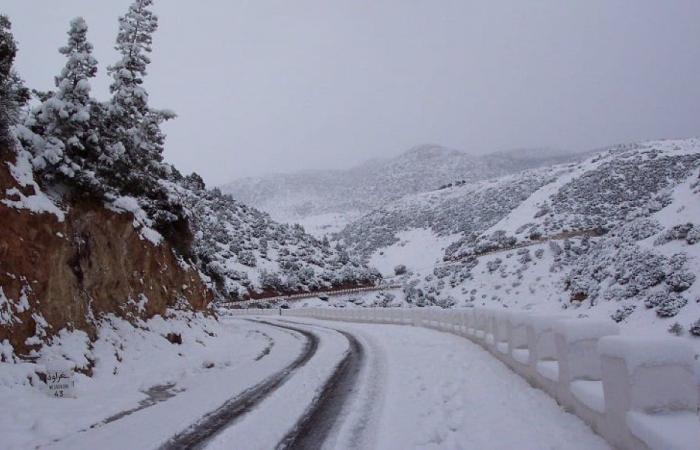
[(335, 385), (413, 388)]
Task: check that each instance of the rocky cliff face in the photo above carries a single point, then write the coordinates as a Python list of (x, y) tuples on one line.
[(69, 270)]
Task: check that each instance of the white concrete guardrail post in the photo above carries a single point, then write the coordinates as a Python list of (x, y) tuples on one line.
[(540, 330), (500, 335), (446, 321), (437, 318), (471, 323), (518, 345), (650, 391), (489, 337), (481, 326), (463, 322), (455, 321), (418, 316), (580, 375)]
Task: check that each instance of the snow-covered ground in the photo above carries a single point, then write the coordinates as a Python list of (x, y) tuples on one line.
[(439, 391), (417, 389), (216, 360), (320, 225), (417, 249)]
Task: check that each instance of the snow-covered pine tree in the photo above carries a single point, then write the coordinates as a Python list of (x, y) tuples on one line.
[(67, 143), (132, 158), (136, 140), (13, 94)]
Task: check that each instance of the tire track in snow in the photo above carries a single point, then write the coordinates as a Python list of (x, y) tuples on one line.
[(198, 434), (314, 427)]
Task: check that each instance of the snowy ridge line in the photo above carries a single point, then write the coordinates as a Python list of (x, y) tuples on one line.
[(303, 295), (635, 392)]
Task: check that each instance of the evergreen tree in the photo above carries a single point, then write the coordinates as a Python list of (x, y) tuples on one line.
[(13, 94), (63, 119), (134, 127)]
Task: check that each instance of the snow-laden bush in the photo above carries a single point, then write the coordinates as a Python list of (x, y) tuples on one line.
[(247, 258), (676, 329), (524, 256), (680, 281), (656, 298), (637, 230), (695, 328), (671, 305), (493, 264), (687, 232), (622, 313)]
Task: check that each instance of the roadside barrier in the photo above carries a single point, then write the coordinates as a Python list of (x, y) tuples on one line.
[(305, 295), (636, 392)]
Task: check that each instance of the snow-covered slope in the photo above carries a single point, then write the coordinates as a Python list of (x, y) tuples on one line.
[(297, 196), (614, 236), (466, 210), (246, 253)]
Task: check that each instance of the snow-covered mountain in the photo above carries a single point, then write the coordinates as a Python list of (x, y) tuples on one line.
[(247, 254), (295, 196), (612, 236)]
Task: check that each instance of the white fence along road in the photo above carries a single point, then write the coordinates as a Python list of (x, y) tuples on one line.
[(637, 393)]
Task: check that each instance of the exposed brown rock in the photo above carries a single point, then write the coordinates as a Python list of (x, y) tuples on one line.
[(91, 264)]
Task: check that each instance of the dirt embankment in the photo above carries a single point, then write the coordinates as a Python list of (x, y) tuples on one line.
[(71, 273)]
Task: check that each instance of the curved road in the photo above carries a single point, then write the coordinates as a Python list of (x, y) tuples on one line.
[(201, 432), (314, 427), (391, 387)]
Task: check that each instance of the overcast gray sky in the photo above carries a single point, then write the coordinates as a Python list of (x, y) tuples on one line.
[(282, 85)]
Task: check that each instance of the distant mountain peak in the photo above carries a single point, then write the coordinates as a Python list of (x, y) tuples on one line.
[(425, 167)]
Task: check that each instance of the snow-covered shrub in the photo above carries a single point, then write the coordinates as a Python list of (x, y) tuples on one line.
[(638, 230), (687, 232), (400, 269), (445, 302), (247, 258), (695, 328), (654, 299), (622, 313), (627, 266), (680, 281), (671, 305), (493, 265), (676, 329), (498, 240), (384, 300), (524, 254)]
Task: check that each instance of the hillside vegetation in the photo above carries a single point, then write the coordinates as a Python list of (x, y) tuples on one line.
[(97, 225), (613, 236)]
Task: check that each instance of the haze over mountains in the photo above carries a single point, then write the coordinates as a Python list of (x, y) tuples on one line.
[(295, 196)]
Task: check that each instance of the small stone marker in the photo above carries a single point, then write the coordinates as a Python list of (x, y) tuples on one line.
[(60, 383)]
